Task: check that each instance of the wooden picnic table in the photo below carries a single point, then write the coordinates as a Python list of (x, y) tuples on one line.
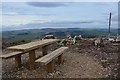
[(30, 48)]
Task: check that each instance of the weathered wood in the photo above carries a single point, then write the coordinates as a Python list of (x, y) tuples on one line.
[(18, 61), (28, 47), (49, 57), (116, 44), (60, 59), (44, 50), (32, 59), (32, 45), (50, 67), (9, 55)]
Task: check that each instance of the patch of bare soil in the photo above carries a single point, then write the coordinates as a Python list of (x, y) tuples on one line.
[(80, 61)]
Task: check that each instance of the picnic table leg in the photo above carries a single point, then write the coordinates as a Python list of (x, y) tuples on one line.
[(50, 67), (32, 59), (44, 50), (18, 61), (60, 59)]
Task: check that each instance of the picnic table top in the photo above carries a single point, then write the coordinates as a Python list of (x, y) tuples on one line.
[(32, 45)]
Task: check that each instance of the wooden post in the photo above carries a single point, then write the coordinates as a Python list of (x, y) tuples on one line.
[(32, 59), (60, 59), (109, 23), (50, 67), (44, 50), (18, 61)]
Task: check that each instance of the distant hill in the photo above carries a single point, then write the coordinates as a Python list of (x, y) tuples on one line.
[(30, 34)]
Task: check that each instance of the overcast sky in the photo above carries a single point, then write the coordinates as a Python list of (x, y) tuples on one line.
[(27, 15)]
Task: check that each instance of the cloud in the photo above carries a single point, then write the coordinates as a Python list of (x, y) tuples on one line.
[(10, 13), (100, 4), (39, 24), (46, 4), (116, 18), (72, 22), (17, 19)]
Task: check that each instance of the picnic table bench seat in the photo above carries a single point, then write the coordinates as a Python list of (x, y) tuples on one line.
[(10, 55), (49, 58), (16, 55)]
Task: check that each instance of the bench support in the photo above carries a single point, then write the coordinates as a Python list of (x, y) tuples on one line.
[(60, 59), (18, 61), (49, 59), (32, 59), (50, 67), (44, 50)]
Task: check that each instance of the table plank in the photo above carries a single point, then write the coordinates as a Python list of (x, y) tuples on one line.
[(9, 55), (32, 45)]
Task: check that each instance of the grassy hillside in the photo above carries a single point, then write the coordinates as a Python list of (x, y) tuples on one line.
[(31, 34)]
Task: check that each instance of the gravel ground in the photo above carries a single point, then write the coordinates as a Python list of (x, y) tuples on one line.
[(80, 61)]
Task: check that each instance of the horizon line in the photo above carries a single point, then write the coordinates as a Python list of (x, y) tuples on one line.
[(53, 28)]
